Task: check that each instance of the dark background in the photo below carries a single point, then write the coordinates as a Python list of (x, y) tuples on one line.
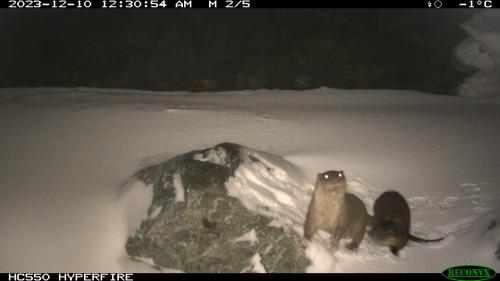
[(214, 50)]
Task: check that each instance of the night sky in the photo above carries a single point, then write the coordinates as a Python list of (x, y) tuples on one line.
[(216, 50)]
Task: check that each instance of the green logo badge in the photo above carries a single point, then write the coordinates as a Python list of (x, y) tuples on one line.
[(469, 272)]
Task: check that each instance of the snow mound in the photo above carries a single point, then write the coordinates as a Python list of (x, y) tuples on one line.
[(480, 52), (273, 187)]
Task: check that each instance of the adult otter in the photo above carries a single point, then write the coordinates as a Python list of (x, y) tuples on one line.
[(391, 222), (334, 210)]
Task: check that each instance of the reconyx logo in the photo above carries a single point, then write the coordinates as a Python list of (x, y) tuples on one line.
[(469, 272)]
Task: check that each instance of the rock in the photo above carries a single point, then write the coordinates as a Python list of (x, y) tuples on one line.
[(195, 226)]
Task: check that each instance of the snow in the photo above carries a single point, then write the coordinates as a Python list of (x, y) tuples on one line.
[(250, 236), (216, 156), (178, 187), (135, 202), (66, 154), (481, 53), (143, 265), (321, 258), (262, 186), (256, 265), (155, 212)]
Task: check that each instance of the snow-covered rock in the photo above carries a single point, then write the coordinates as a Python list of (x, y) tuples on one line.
[(210, 229)]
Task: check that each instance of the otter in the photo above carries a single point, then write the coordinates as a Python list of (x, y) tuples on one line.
[(334, 210), (390, 224)]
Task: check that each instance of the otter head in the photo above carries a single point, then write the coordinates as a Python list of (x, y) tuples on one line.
[(332, 181)]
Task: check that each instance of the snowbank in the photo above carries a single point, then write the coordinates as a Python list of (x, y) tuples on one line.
[(481, 53)]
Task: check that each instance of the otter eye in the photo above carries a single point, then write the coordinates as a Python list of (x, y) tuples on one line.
[(340, 174), (326, 176)]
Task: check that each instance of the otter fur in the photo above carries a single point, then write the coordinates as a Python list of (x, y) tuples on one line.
[(334, 210), (390, 225)]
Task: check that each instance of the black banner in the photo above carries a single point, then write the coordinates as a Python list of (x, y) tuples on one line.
[(245, 4), (182, 276)]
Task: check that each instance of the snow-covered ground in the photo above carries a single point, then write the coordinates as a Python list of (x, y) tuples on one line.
[(65, 152)]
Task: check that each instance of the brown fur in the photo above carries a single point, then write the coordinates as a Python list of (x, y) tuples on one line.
[(332, 209), (391, 222)]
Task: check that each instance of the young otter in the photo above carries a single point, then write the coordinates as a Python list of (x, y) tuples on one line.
[(391, 222), (332, 209)]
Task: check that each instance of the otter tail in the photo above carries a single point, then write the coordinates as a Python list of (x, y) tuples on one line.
[(422, 240)]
